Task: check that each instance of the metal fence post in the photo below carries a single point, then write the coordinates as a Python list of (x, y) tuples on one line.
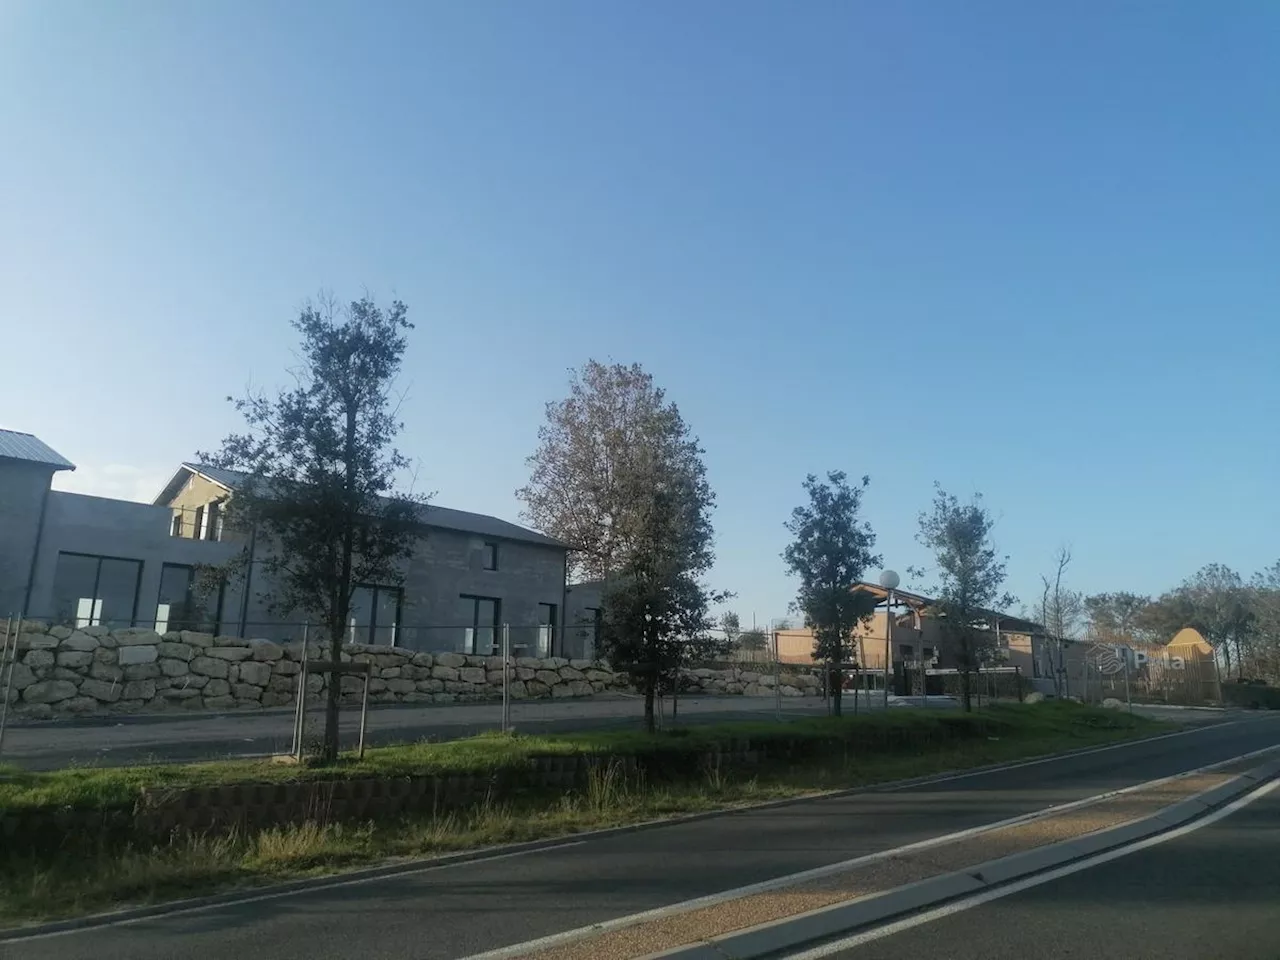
[(364, 709), (777, 680), (506, 677), (300, 708), (8, 663), (1128, 699)]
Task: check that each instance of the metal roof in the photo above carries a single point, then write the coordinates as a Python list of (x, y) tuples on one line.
[(24, 446), (442, 517)]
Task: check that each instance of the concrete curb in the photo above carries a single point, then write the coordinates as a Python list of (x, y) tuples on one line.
[(794, 933), (423, 864)]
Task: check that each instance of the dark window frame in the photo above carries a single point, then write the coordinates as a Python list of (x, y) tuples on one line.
[(191, 579), (554, 624), (97, 580), (489, 558), (372, 628), (475, 625)]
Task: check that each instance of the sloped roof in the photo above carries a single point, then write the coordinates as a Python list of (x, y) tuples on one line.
[(24, 446), (443, 518)]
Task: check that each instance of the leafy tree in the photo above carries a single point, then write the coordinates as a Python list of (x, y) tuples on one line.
[(1118, 618), (753, 640), (731, 626), (970, 577), (1215, 602), (1060, 612), (1264, 600), (319, 471), (597, 450), (656, 618), (830, 554), (619, 474)]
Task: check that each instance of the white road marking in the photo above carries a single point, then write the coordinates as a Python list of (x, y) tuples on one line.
[(977, 900), (818, 873), (182, 907)]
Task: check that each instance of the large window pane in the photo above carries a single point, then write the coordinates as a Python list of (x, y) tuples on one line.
[(176, 608), (481, 636), (90, 590), (360, 615), (74, 584), (386, 616), (118, 591)]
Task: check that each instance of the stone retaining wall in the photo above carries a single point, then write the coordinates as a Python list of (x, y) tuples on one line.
[(60, 670), (92, 670)]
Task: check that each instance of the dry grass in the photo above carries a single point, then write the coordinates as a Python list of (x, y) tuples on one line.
[(92, 878)]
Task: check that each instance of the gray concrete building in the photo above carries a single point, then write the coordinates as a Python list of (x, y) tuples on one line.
[(80, 560)]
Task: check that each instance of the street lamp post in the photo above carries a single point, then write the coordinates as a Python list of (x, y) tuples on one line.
[(889, 580)]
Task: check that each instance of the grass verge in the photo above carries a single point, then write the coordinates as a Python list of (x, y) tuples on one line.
[(84, 877)]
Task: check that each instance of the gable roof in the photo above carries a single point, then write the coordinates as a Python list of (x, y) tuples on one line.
[(443, 518), (31, 449)]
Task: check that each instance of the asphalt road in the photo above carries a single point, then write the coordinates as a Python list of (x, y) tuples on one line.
[(455, 911), (187, 738), (168, 738), (1213, 894)]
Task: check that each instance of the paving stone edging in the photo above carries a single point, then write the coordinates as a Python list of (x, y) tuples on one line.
[(829, 922)]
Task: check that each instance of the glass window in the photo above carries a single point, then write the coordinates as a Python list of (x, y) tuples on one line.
[(176, 608), (481, 636), (546, 628), (374, 615), (490, 556), (90, 590)]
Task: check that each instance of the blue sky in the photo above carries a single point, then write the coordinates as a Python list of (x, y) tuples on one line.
[(1028, 249)]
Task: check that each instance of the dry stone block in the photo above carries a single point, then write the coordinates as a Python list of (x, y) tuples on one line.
[(430, 686), (443, 697), (135, 637), (389, 673), (37, 641), (202, 640), (49, 691), (137, 654), (286, 668), (100, 690), (217, 688), (401, 686), (21, 676), (266, 650), (580, 688), (180, 693), (423, 660), (229, 653), (549, 677), (453, 660), (472, 675), (105, 671), (256, 673), (569, 673), (281, 684), (174, 668), (106, 655), (247, 691), (518, 690), (34, 711), (177, 650), (138, 690), (210, 667), (440, 671), (142, 671), (39, 659), (536, 688), (525, 673), (73, 659), (58, 632), (582, 664), (219, 703), (561, 690), (79, 641)]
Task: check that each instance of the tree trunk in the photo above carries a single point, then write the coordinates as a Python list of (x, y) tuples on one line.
[(650, 690), (834, 685), (329, 752), (966, 686)]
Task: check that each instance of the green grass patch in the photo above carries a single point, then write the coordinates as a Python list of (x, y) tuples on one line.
[(94, 876)]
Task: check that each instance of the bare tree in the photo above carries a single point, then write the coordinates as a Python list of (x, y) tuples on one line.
[(1060, 612)]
